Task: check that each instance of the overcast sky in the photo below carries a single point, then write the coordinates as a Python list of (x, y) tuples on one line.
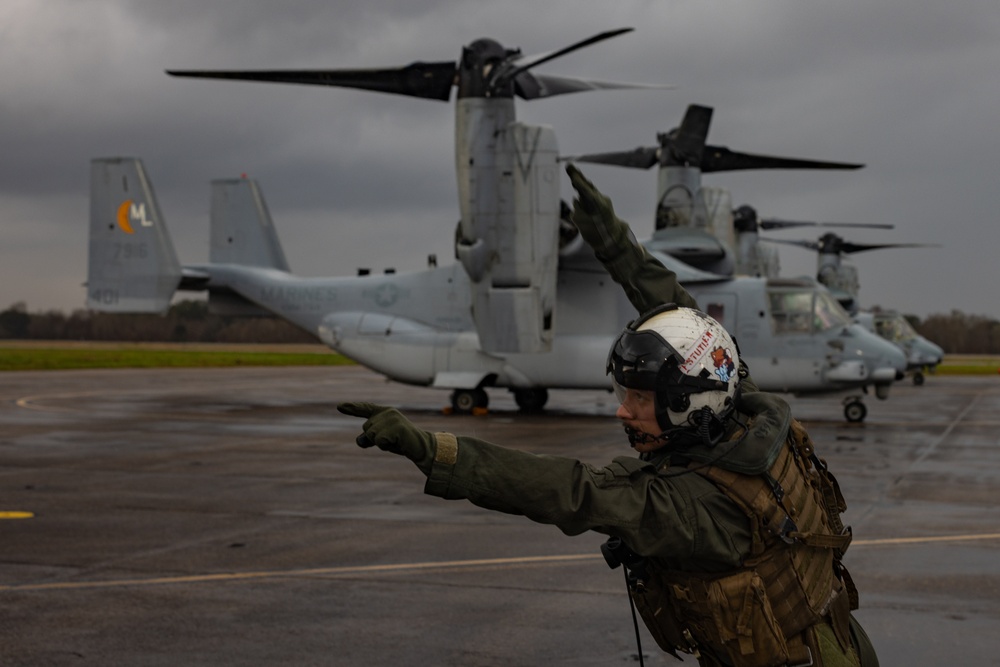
[(353, 178)]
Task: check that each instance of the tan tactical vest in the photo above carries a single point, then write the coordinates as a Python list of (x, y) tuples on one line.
[(762, 614)]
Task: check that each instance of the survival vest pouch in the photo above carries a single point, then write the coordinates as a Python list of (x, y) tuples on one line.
[(761, 614)]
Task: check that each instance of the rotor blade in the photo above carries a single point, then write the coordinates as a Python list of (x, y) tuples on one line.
[(849, 248), (720, 158), (686, 144), (640, 158), (525, 63), (811, 245), (530, 86), (775, 223), (427, 80)]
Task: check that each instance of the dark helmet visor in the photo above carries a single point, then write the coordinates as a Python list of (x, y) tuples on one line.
[(637, 357)]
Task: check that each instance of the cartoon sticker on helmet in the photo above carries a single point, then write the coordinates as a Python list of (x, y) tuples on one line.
[(724, 365)]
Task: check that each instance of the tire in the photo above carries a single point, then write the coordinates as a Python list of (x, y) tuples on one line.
[(532, 399), (464, 401), (855, 411)]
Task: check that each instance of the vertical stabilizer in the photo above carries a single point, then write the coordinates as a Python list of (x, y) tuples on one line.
[(132, 265), (241, 228)]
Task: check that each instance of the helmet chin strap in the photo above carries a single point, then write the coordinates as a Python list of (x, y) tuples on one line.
[(637, 437), (703, 427)]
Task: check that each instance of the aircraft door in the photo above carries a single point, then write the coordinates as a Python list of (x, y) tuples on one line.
[(798, 356)]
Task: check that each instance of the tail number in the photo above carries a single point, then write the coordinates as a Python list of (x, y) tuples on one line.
[(107, 297), (130, 251)]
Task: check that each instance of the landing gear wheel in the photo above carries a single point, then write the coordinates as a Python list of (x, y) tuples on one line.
[(855, 411), (532, 399), (464, 401), (918, 378)]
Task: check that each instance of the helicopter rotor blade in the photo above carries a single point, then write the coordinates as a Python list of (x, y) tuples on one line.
[(849, 248), (425, 80), (640, 158), (775, 223), (529, 86), (524, 63), (831, 243), (685, 145), (811, 245), (720, 158)]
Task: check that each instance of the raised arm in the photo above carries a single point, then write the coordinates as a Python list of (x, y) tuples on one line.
[(646, 282)]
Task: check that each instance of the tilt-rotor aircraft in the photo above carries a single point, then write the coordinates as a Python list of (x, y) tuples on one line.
[(520, 310), (841, 278), (696, 223)]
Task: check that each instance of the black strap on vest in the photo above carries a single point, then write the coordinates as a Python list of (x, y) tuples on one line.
[(616, 553)]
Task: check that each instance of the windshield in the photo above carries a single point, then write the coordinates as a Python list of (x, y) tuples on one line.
[(894, 328), (805, 311)]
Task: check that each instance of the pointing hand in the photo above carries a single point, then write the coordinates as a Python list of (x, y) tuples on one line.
[(387, 429), (595, 217)]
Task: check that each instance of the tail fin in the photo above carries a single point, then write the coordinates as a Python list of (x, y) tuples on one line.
[(241, 233), (241, 228), (132, 264)]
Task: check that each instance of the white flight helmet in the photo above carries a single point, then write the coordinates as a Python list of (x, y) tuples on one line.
[(683, 355)]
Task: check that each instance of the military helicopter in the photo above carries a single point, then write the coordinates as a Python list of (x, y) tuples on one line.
[(508, 180), (695, 223), (841, 278), (419, 327), (524, 308)]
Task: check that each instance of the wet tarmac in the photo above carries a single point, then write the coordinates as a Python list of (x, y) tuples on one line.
[(226, 517)]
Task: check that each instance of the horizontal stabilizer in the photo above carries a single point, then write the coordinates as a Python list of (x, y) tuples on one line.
[(132, 265)]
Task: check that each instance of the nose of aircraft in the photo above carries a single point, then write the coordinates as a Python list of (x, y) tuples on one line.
[(926, 353), (885, 361)]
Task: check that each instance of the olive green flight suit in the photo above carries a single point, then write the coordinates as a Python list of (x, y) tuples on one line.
[(648, 284), (684, 522)]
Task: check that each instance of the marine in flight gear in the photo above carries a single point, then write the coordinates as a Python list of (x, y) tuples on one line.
[(728, 521)]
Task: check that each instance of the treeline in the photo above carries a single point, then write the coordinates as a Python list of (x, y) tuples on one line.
[(185, 322), (959, 333), (190, 321)]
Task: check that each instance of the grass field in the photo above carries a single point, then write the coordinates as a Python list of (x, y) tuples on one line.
[(60, 355)]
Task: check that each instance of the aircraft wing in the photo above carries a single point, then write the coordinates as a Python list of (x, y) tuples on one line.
[(687, 274)]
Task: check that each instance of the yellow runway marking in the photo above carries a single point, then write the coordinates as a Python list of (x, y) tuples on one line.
[(9, 514), (403, 567)]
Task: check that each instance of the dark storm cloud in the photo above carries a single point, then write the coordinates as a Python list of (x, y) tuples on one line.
[(909, 91)]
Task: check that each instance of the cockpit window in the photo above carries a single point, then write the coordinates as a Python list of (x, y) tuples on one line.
[(894, 328), (805, 311)]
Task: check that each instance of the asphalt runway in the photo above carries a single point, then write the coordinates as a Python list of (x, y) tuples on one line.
[(226, 517)]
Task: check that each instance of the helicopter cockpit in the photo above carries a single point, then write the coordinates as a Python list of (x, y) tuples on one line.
[(804, 309)]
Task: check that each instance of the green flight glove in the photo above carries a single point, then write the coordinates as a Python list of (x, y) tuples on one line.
[(387, 429), (595, 217)]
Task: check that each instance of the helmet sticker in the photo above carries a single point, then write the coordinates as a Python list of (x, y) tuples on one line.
[(724, 365), (698, 351)]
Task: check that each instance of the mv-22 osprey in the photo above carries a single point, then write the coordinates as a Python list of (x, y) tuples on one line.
[(520, 310)]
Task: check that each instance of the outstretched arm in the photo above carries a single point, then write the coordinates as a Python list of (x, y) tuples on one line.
[(680, 517)]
